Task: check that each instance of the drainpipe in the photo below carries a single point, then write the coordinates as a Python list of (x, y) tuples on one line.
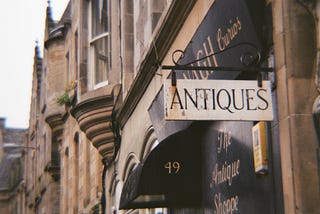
[(107, 161)]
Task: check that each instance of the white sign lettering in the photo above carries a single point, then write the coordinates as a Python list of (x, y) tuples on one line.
[(218, 100)]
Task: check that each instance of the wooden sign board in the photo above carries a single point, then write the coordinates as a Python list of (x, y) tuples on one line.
[(217, 100)]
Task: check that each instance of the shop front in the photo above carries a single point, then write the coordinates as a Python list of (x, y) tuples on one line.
[(212, 117), (206, 166)]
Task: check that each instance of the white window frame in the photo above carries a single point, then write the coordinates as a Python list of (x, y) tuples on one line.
[(92, 54)]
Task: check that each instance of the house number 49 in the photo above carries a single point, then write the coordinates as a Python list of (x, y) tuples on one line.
[(173, 167)]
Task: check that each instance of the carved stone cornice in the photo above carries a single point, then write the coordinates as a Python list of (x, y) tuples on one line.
[(56, 122), (94, 116)]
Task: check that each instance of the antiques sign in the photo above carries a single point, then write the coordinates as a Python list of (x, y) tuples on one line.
[(217, 100)]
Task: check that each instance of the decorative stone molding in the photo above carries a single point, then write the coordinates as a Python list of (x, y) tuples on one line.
[(55, 122), (94, 116)]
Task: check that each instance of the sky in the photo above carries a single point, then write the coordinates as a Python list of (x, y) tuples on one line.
[(22, 24)]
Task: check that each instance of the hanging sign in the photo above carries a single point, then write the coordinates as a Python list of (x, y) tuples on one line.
[(217, 100)]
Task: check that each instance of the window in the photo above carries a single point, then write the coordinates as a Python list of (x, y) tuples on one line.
[(99, 42)]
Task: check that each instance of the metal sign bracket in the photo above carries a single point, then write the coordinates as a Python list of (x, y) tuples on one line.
[(250, 61)]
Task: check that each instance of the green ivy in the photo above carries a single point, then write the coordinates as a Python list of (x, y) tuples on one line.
[(64, 99)]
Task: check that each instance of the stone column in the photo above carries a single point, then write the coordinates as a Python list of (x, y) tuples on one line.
[(295, 54)]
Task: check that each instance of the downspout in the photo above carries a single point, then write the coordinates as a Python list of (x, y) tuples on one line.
[(120, 43), (114, 124), (107, 161)]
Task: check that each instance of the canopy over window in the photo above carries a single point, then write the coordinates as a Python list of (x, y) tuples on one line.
[(170, 176)]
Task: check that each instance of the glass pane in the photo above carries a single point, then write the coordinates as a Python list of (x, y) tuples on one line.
[(99, 17), (101, 59)]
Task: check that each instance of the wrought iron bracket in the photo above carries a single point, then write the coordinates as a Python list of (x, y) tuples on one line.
[(250, 61)]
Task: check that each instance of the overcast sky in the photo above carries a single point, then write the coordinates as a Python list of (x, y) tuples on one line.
[(22, 23)]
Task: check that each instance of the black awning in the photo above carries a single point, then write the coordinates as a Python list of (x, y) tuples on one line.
[(170, 176)]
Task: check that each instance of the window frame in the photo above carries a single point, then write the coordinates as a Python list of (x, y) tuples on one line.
[(94, 57)]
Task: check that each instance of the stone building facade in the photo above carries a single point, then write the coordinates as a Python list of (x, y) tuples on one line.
[(11, 168), (287, 36), (98, 116), (64, 172)]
